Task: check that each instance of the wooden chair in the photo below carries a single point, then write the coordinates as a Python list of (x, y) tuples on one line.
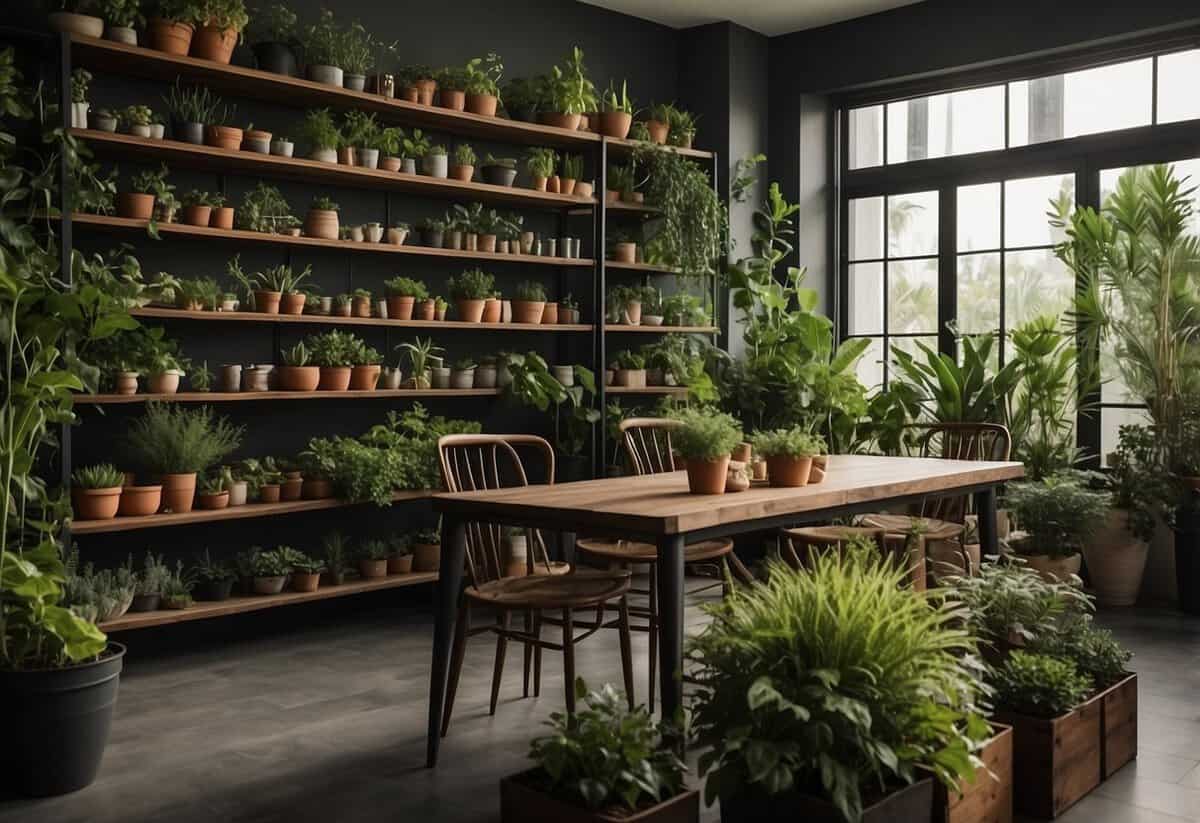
[(942, 518), (647, 442), (472, 462)]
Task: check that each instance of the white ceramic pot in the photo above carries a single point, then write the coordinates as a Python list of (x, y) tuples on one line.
[(122, 34), (79, 115), (408, 165), (435, 165), (157, 131), (391, 378), (396, 237), (652, 320), (238, 491), (356, 233), (373, 232), (324, 155), (283, 148), (138, 130), (564, 375), (329, 75), (257, 146), (381, 309), (367, 158)]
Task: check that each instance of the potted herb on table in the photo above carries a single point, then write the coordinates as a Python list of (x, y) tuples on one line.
[(357, 56), (197, 208), (360, 134), (1058, 515), (211, 580), (481, 81), (529, 303), (322, 135), (789, 454), (273, 33), (706, 440), (96, 492), (163, 372), (567, 94)]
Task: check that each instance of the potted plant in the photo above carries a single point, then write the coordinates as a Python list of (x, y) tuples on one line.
[(320, 462), (221, 216), (1058, 515), (104, 120), (80, 81), (617, 114), (414, 147), (631, 369), (177, 592), (400, 558), (572, 171), (658, 123), (172, 25), (296, 373), (360, 134), (487, 372), (238, 487), (72, 20), (341, 305), (221, 136), (197, 208), (402, 294), (420, 354), (498, 171), (540, 164), (564, 374), (529, 303), (138, 204), (651, 311), (323, 50), (789, 454), (273, 32), (360, 303), (212, 493), (270, 570), (469, 291), (365, 367), (333, 351), (306, 573), (463, 167), (624, 247), (396, 234), (435, 163), (163, 373), (256, 140), (191, 109), (319, 130), (151, 581), (427, 550), (336, 554), (357, 49), (211, 580), (568, 93), (373, 559), (705, 440), (462, 374), (322, 219), (96, 492), (639, 778), (439, 309), (219, 29), (568, 310), (140, 499)]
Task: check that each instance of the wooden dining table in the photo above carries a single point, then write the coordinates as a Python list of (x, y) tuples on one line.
[(658, 509)]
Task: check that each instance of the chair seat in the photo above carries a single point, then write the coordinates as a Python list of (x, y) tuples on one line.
[(583, 588), (903, 524), (632, 551), (830, 535)]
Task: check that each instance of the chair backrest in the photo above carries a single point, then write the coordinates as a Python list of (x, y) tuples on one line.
[(960, 441), (648, 443), (475, 462)]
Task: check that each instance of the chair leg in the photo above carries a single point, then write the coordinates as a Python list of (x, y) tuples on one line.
[(461, 626), (528, 657), (653, 633), (568, 634), (537, 655), (626, 650), (503, 620), (726, 577), (739, 569)]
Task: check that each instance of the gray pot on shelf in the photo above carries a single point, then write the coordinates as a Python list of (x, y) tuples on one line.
[(435, 165), (275, 56), (367, 158), (498, 175), (550, 247), (188, 132), (104, 122), (441, 377), (408, 165), (122, 34), (231, 377), (283, 148), (329, 75), (354, 82), (434, 238)]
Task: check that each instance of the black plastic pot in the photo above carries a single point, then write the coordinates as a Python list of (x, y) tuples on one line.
[(433, 239), (498, 175), (187, 132), (276, 57), (1187, 557), (56, 724), (213, 590), (145, 603), (909, 804)]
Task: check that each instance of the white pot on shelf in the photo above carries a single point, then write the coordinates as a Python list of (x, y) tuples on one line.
[(324, 155), (329, 75), (79, 115)]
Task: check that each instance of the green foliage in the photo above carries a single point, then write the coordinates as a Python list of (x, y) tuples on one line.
[(694, 221), (333, 348), (1058, 514), (541, 162), (951, 393), (297, 355), (305, 564), (794, 442), (618, 100), (416, 145), (171, 439), (136, 115), (374, 549), (567, 89), (406, 287), (322, 41), (320, 130), (153, 577), (359, 128), (482, 75), (627, 359), (464, 155), (574, 407), (530, 290), (207, 570), (706, 434), (93, 594), (336, 551), (831, 679), (274, 23), (151, 182), (273, 563), (265, 209), (99, 476), (1095, 652), (607, 756), (1039, 685), (123, 13), (572, 166), (193, 104), (472, 284)]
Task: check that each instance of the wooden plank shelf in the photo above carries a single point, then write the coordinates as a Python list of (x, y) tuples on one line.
[(250, 510), (102, 222), (110, 57), (205, 610), (224, 161), (618, 329), (645, 267), (626, 146), (679, 391), (322, 319), (270, 396)]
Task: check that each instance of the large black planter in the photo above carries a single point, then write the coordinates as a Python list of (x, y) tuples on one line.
[(56, 724), (909, 804), (276, 57), (213, 590)]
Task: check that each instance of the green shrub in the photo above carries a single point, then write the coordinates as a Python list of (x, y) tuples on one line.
[(706, 434), (472, 284), (406, 287), (333, 348), (1057, 514), (541, 162), (171, 439), (1039, 685), (100, 476), (531, 291), (374, 550), (273, 563), (794, 442), (1095, 652)]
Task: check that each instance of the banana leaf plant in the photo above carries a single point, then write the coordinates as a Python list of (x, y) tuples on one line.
[(954, 393)]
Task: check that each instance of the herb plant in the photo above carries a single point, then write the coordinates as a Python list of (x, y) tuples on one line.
[(706, 434), (99, 476), (794, 442), (1039, 685), (172, 439)]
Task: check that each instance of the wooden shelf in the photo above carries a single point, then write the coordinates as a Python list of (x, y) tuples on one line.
[(621, 207), (102, 222), (328, 320), (205, 610), (250, 510), (110, 57), (270, 396), (675, 390), (223, 161), (619, 329), (646, 267), (625, 146)]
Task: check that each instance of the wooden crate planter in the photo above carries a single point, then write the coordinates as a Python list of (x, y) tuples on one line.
[(908, 804), (1055, 761), (1119, 725), (522, 802), (989, 799)]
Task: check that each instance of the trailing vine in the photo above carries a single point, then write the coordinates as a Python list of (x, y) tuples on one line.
[(692, 227)]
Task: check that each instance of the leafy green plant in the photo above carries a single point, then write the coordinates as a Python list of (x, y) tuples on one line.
[(1058, 514), (320, 130), (472, 284), (265, 209), (530, 290), (323, 203), (272, 563), (306, 564), (149, 181), (568, 90), (1039, 685), (951, 393), (639, 131), (336, 550), (200, 377), (359, 128), (482, 75), (332, 348), (572, 166), (297, 355), (420, 352), (406, 287), (706, 434), (273, 23), (627, 359), (357, 49), (415, 145), (374, 549), (793, 442), (171, 439), (1095, 652), (322, 41), (464, 155), (207, 570), (541, 162), (154, 576), (99, 476), (136, 115), (694, 220), (121, 13), (682, 126), (618, 101)]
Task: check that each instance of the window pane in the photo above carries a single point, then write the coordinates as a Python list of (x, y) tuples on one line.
[(909, 344), (1035, 283), (979, 293), (1080, 102), (912, 296), (1177, 97), (979, 217), (1026, 203), (993, 358), (913, 224), (865, 301), (946, 124), (1187, 171), (1111, 421), (870, 367), (866, 137), (866, 228)]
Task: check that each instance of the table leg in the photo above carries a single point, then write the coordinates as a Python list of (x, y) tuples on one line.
[(985, 510), (449, 588), (670, 622)]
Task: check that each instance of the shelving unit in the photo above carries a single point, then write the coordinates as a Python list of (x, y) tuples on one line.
[(272, 396), (332, 320)]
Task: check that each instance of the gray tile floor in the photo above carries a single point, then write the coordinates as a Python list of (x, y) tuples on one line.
[(326, 722)]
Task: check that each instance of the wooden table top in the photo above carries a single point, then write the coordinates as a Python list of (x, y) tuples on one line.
[(660, 504)]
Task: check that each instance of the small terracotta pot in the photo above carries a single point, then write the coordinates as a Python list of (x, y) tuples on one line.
[(322, 223), (292, 302), (632, 314), (427, 557), (400, 307), (469, 311), (316, 488), (268, 493), (425, 90), (566, 185), (196, 215), (625, 252), (334, 378), (364, 378), (820, 468), (453, 99), (218, 500), (487, 243), (631, 378), (707, 476), (528, 311), (96, 504), (267, 302), (223, 137), (135, 206), (743, 453), (400, 564), (658, 131), (539, 183), (483, 104), (492, 309), (179, 491), (788, 472), (299, 378), (554, 184), (305, 581), (614, 124), (585, 188), (291, 488), (169, 36), (550, 313), (570, 122), (424, 310), (140, 501), (212, 43), (269, 585), (371, 569), (360, 306), (221, 218), (126, 382), (462, 173), (165, 383), (389, 163)]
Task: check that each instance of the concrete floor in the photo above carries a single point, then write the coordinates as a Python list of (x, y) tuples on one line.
[(326, 722)]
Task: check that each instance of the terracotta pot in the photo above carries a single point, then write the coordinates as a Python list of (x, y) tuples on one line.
[(364, 378), (632, 313), (268, 493), (570, 122), (614, 124), (400, 564), (631, 378), (371, 569), (820, 468), (658, 131), (212, 43), (125, 382), (140, 501), (305, 581), (453, 99), (550, 313), (95, 504), (788, 472), (291, 488), (425, 90), (400, 308), (221, 218), (483, 104), (389, 163), (469, 311), (179, 491), (625, 252), (269, 585), (707, 476), (1116, 561), (322, 223), (256, 378), (539, 183), (334, 378), (360, 307), (492, 309), (165, 383), (585, 188), (427, 557), (425, 310), (316, 488), (1054, 568), (554, 184), (196, 215), (743, 453), (291, 302), (487, 243), (528, 311), (135, 206), (169, 36), (217, 500), (462, 173), (299, 378), (267, 302), (396, 237), (566, 185), (223, 137), (73, 23)]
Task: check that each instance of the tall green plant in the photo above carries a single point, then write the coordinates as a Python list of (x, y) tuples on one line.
[(959, 393)]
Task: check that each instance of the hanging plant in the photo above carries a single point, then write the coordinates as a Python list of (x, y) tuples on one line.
[(693, 222)]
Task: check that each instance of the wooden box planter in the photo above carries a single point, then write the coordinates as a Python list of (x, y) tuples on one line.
[(1056, 761), (1118, 725), (908, 804), (989, 799), (522, 802)]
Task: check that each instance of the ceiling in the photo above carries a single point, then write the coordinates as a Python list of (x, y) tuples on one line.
[(768, 17)]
